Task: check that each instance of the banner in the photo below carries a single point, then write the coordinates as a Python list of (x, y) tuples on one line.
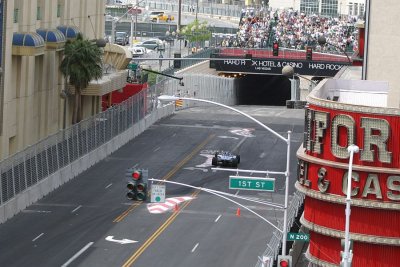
[(274, 66)]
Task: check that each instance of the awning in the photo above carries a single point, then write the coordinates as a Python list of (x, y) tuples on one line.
[(70, 32), (27, 44), (53, 38)]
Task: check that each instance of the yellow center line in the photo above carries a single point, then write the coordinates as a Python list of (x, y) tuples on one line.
[(125, 213), (169, 174), (157, 233)]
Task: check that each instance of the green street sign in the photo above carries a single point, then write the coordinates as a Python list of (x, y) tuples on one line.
[(298, 237), (132, 66), (252, 183)]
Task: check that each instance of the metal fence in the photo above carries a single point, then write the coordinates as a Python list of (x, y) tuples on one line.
[(276, 240), (204, 8), (30, 167)]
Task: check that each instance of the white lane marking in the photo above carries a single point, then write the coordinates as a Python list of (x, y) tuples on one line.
[(77, 254), (77, 208), (237, 193), (262, 155), (194, 248), (174, 135), (36, 211), (216, 220), (36, 238), (227, 137), (108, 186), (156, 149), (121, 241)]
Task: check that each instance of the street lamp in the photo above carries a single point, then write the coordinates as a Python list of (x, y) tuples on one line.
[(347, 255), (170, 41), (294, 101), (168, 98), (322, 41)]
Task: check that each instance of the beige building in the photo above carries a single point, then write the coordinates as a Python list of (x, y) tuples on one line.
[(33, 104), (381, 42)]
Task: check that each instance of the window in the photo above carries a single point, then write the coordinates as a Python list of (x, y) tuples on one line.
[(38, 13), (16, 13), (58, 10), (350, 8)]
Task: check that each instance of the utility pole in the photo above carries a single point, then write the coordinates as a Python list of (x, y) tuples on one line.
[(178, 27)]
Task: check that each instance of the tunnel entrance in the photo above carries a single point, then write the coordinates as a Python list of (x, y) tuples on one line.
[(267, 90)]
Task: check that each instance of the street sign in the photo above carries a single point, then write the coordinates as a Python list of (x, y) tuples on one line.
[(157, 193), (298, 237), (252, 183)]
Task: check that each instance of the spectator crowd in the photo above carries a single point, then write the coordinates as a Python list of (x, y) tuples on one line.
[(293, 29)]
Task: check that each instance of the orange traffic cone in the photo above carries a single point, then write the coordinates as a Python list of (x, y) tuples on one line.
[(238, 212), (176, 207)]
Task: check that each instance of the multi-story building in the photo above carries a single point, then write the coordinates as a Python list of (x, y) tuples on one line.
[(33, 104), (342, 112)]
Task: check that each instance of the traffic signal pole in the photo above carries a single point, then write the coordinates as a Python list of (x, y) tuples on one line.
[(286, 140), (224, 196)]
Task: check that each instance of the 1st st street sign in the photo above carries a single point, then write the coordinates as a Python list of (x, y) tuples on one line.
[(252, 183)]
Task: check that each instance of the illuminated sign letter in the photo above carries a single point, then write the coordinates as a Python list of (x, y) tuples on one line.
[(379, 140), (323, 184), (347, 122), (393, 184), (372, 186), (355, 177), (320, 123)]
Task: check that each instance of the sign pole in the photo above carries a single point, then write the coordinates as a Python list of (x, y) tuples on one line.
[(284, 239)]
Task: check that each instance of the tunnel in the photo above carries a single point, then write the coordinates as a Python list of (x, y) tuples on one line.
[(263, 90)]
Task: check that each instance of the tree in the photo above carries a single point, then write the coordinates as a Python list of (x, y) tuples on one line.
[(196, 32), (82, 63)]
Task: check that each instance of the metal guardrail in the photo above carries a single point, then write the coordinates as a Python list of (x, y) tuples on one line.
[(30, 166), (274, 244)]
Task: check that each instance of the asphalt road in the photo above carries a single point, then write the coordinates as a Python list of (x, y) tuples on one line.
[(82, 222)]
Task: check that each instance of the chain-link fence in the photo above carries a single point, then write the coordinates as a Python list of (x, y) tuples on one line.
[(23, 175)]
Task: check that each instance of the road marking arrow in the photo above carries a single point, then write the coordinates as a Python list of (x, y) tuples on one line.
[(123, 241)]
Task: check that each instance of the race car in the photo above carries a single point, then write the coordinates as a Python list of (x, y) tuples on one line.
[(225, 158)]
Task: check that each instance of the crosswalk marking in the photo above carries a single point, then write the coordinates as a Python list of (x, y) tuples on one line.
[(169, 204)]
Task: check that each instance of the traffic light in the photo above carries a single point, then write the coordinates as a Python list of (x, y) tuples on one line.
[(137, 184), (309, 53), (275, 49), (284, 261)]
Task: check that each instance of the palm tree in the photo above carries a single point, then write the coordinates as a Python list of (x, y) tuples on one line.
[(82, 63)]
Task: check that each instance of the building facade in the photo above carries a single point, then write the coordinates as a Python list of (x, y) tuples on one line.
[(34, 100), (341, 113)]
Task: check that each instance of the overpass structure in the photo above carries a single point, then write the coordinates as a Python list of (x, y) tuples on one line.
[(264, 62)]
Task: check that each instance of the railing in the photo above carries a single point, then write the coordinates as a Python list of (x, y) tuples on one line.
[(205, 53), (204, 8), (276, 240), (284, 53)]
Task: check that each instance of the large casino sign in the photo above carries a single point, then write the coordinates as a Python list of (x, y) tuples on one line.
[(328, 133)]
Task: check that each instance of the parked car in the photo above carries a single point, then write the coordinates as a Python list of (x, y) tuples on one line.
[(138, 51), (155, 16), (121, 38), (151, 44)]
